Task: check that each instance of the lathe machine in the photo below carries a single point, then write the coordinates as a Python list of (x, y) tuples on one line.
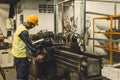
[(63, 62)]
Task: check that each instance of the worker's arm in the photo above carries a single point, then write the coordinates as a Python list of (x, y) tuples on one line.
[(25, 37)]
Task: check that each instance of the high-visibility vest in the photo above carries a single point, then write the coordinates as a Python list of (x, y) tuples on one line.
[(19, 48)]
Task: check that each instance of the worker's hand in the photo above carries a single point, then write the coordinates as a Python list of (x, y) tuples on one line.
[(40, 57)]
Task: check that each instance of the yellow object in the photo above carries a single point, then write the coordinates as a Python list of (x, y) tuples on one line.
[(111, 46), (33, 19), (18, 47)]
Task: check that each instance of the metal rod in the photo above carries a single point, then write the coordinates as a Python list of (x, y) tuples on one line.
[(107, 40), (67, 5), (55, 16), (111, 36), (93, 33), (62, 19), (63, 1), (84, 20), (104, 1), (115, 12), (97, 13)]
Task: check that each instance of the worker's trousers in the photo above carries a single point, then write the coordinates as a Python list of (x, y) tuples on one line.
[(22, 68)]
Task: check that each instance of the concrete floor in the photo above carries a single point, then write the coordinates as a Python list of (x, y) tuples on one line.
[(10, 74)]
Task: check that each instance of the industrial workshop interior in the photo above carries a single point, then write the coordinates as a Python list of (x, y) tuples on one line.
[(76, 39)]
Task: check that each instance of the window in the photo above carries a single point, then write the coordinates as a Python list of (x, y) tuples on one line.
[(43, 8), (50, 8)]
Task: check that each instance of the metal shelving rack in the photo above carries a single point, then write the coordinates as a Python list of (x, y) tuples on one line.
[(111, 18)]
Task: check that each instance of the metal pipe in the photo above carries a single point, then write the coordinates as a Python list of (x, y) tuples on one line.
[(62, 19), (106, 40), (104, 1), (115, 12), (84, 20), (67, 5), (73, 12), (63, 1), (111, 37), (55, 17), (88, 12), (93, 33)]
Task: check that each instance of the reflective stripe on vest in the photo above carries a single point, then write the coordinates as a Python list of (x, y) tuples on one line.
[(18, 44), (21, 51)]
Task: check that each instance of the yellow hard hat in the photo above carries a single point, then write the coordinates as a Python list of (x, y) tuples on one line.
[(33, 19)]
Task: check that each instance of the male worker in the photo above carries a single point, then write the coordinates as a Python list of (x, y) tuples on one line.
[(20, 45)]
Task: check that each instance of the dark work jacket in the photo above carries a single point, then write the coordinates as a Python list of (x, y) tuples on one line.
[(24, 35)]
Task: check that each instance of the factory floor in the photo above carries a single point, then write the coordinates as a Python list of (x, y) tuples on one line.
[(10, 74)]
